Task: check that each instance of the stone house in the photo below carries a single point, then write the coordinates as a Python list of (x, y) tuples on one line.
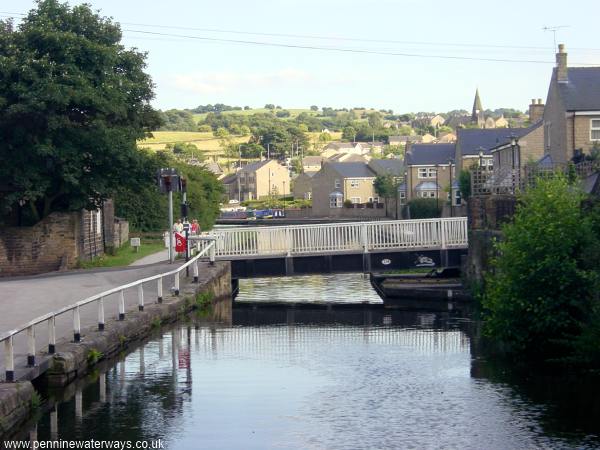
[(302, 185), (437, 121), (312, 163), (355, 148), (430, 172), (261, 179), (474, 145), (571, 116), (337, 182), (512, 155)]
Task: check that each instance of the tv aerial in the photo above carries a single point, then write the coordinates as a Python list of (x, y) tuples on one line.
[(554, 29)]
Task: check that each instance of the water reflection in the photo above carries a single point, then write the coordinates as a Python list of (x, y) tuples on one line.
[(298, 378), (338, 288)]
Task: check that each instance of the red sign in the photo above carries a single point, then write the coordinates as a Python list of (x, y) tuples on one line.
[(179, 243)]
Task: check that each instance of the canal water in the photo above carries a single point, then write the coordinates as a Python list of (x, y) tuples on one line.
[(312, 377)]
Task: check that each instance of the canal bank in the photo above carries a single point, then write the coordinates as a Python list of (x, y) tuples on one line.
[(73, 360)]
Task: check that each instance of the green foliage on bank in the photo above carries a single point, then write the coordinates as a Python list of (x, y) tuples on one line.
[(541, 298)]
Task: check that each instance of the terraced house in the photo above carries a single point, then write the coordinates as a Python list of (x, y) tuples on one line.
[(572, 113)]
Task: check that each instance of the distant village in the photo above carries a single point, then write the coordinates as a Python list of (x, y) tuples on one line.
[(341, 179)]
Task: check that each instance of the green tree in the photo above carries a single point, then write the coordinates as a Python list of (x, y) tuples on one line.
[(221, 132), (314, 108), (73, 103), (349, 133), (375, 120), (386, 187), (545, 280)]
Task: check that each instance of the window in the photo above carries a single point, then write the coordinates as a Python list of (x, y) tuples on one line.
[(355, 199), (354, 183), (595, 130), (308, 196), (335, 201), (547, 128), (427, 194), (487, 163), (457, 198), (427, 172), (338, 184)]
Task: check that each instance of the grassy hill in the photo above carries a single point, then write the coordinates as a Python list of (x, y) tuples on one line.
[(205, 141), (293, 112)]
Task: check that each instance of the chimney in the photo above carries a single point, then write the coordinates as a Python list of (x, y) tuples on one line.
[(561, 64), (536, 110)]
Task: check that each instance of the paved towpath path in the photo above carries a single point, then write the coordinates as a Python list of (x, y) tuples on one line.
[(25, 298)]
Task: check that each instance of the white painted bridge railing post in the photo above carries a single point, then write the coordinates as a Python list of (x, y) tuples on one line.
[(52, 335), (159, 290), (9, 360), (443, 228), (121, 305), (76, 325), (31, 346), (140, 290), (364, 237), (101, 314)]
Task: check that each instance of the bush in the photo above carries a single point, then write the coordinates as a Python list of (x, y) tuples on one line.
[(538, 301), (348, 204), (425, 208)]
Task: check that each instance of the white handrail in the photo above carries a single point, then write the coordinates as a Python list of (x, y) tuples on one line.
[(335, 238), (50, 317)]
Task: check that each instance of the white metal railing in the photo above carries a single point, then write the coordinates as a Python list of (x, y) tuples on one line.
[(341, 237), (207, 245)]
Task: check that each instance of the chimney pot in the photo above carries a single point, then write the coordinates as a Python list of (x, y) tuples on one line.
[(533, 101), (539, 101), (561, 48)]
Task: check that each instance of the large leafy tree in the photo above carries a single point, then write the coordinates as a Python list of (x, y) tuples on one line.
[(73, 102)]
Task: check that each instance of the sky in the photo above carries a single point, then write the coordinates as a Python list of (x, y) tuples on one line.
[(370, 61)]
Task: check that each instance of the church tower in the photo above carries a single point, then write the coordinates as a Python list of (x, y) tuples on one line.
[(477, 116)]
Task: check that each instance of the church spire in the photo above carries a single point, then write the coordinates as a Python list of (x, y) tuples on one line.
[(477, 115)]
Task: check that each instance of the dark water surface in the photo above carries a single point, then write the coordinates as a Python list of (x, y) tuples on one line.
[(356, 377)]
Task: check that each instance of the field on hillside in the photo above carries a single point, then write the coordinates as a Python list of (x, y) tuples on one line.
[(205, 141), (293, 112)]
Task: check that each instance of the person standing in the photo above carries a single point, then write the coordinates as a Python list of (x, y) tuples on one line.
[(195, 227)]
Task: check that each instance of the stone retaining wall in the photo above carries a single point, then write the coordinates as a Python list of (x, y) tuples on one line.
[(15, 405), (45, 247)]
